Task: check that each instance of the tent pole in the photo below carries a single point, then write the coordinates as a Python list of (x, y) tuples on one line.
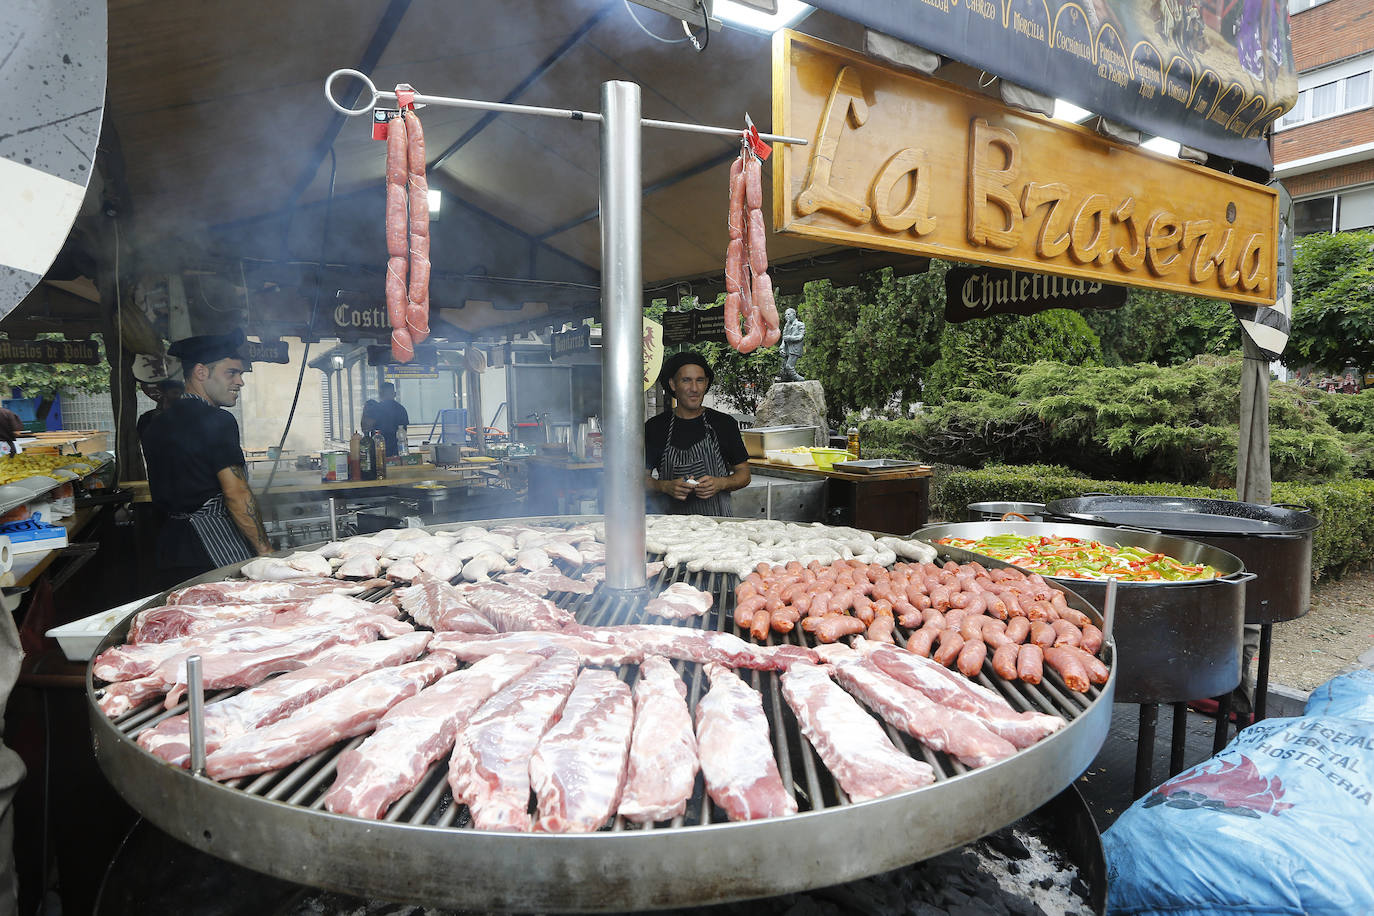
[(622, 312)]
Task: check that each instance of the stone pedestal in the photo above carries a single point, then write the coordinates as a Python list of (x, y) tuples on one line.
[(795, 404)]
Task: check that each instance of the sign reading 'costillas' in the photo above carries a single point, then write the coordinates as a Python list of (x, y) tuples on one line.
[(914, 164), (975, 292)]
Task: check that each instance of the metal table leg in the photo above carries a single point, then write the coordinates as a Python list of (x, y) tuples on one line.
[(1179, 741), (1262, 675), (1223, 722), (1145, 749)]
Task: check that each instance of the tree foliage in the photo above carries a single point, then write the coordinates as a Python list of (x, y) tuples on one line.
[(870, 345), (39, 380), (1141, 422), (985, 354), (1163, 328), (1333, 300)]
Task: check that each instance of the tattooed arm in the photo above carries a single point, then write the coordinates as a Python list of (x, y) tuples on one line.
[(243, 508)]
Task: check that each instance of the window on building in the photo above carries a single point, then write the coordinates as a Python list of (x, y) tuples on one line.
[(1297, 6), (1356, 210), (1314, 215), (1330, 98)]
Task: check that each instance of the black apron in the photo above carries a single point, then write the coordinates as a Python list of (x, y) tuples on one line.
[(704, 458), (221, 538)]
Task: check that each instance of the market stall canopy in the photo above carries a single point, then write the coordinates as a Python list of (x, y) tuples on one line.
[(52, 65), (228, 151)]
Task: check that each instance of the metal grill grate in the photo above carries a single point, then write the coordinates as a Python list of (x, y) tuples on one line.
[(813, 787)]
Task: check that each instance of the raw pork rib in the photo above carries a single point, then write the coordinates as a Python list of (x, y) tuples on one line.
[(244, 591), (160, 624), (663, 752), (849, 740), (680, 601), (415, 733), (170, 739), (957, 733), (512, 608), (736, 754), (490, 770), (949, 688), (578, 768), (437, 605), (470, 647), (351, 710), (698, 645), (122, 663)]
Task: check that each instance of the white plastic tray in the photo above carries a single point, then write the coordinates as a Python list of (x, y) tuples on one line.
[(80, 638)]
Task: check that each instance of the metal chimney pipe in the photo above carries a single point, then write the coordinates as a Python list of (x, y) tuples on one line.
[(622, 315)]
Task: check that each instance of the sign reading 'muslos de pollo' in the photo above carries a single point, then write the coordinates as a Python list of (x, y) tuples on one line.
[(50, 352), (909, 163)]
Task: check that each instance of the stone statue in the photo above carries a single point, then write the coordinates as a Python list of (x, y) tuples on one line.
[(793, 330)]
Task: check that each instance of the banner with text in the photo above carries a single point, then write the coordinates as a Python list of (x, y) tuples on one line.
[(1212, 75), (694, 326), (50, 352), (976, 292), (914, 164)]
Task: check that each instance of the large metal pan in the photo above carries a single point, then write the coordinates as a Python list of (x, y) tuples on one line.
[(1176, 640), (426, 853), (1273, 541)]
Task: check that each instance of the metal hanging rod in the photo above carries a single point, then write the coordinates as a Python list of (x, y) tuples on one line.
[(567, 114)]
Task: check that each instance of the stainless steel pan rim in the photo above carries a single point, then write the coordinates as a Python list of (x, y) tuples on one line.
[(429, 861)]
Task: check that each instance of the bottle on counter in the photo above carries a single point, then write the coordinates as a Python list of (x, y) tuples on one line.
[(355, 447), (379, 455), (402, 446), (367, 458), (852, 443)]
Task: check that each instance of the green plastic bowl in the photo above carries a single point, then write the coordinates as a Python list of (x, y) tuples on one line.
[(825, 458)]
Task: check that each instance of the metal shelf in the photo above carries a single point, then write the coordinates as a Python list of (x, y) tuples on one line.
[(8, 504)]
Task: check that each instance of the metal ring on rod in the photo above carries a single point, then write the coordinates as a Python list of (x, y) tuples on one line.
[(357, 74)]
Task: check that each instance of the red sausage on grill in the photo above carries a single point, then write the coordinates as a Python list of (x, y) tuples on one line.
[(971, 657), (1004, 660), (1030, 660), (1095, 667), (1070, 666), (950, 645), (1018, 628), (1092, 639), (1066, 634), (922, 640)]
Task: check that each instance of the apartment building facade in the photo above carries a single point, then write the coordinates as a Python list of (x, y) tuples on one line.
[(1324, 147)]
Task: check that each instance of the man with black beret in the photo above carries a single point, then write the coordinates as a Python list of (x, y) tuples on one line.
[(196, 469), (697, 453)]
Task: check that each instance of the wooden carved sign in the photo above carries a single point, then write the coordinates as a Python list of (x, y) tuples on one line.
[(914, 164)]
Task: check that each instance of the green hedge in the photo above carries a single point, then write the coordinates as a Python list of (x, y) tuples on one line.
[(1344, 541)]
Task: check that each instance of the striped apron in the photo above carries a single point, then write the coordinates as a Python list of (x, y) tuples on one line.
[(701, 459), (217, 532)]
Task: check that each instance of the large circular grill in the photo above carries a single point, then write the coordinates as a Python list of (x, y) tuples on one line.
[(425, 852)]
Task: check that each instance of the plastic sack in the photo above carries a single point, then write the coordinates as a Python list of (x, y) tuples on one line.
[(1281, 821)]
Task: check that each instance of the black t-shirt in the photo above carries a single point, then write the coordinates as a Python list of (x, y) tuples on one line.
[(687, 433), (387, 416), (185, 447)]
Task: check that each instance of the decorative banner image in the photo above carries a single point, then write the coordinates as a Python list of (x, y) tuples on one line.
[(1211, 74)]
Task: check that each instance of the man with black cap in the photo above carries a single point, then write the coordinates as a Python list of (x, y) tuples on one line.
[(696, 452), (196, 469)]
